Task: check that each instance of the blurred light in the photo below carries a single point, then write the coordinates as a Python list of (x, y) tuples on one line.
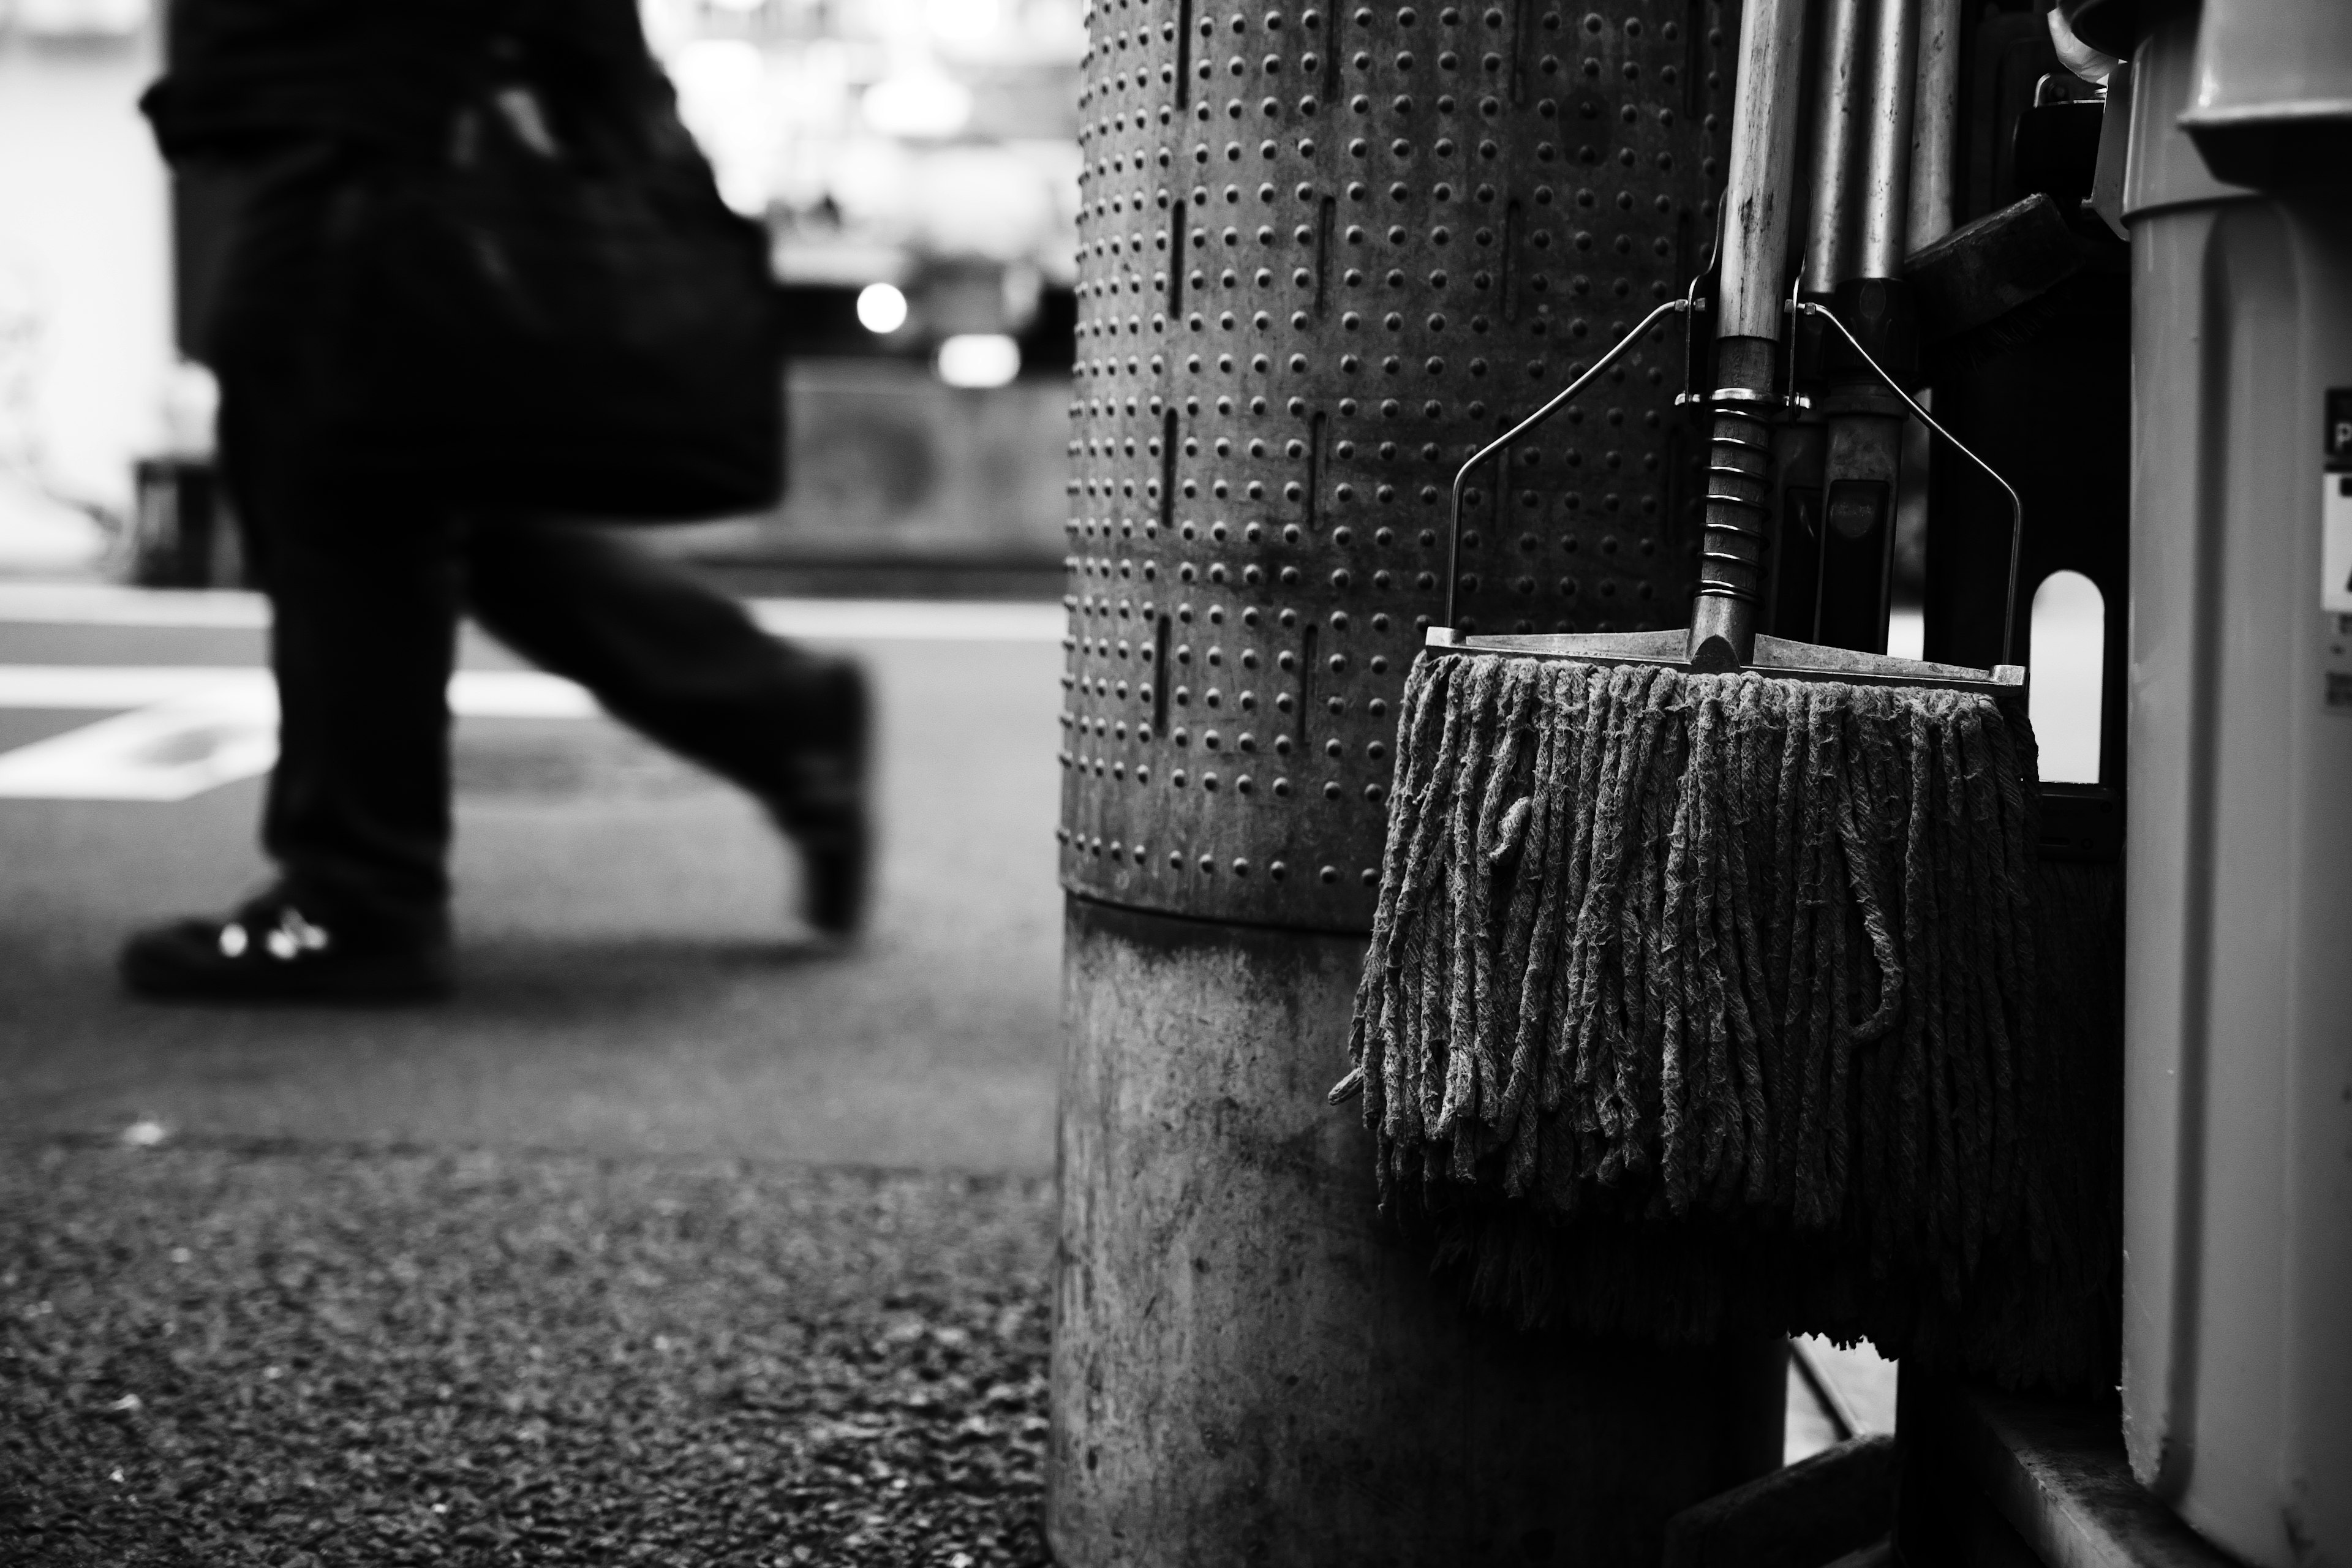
[(979, 358), (79, 18), (920, 103), (720, 72), (980, 201), (963, 21), (190, 410), (723, 97), (881, 308)]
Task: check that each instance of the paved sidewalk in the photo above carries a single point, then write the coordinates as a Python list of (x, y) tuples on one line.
[(633, 981)]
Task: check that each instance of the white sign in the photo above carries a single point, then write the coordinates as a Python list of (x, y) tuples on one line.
[(2335, 545)]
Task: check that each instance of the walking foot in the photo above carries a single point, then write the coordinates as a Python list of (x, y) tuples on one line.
[(271, 951)]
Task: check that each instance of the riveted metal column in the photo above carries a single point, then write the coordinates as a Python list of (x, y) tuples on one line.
[(1326, 252)]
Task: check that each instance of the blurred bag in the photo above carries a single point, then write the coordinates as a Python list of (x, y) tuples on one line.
[(558, 315)]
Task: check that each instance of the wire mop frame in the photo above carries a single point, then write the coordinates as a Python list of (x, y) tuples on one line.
[(1773, 656)]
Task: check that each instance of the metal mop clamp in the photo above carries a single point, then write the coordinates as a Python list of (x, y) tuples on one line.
[(1755, 386)]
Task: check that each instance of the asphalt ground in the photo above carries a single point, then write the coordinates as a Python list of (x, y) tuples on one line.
[(632, 979), (304, 1357), (680, 1236)]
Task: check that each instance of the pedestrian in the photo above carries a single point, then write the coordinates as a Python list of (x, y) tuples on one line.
[(309, 106)]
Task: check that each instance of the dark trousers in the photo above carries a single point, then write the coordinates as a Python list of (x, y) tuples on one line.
[(367, 586)]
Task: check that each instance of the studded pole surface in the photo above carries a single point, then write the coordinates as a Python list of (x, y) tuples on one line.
[(1325, 253)]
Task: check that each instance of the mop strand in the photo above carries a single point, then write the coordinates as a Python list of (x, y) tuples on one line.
[(1668, 954)]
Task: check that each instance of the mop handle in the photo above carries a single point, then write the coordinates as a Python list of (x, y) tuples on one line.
[(2016, 506), (1462, 476)]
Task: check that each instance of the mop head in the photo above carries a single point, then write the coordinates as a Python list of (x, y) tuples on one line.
[(1701, 1002)]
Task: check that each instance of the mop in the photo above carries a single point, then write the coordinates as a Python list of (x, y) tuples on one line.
[(1702, 994)]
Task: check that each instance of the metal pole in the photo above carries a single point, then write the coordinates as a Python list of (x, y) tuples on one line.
[(1839, 82), (1934, 112), (1887, 156), (1298, 311)]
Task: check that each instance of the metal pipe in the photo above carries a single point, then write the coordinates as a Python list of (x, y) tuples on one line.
[(1934, 108), (1763, 158), (1838, 86), (1886, 154)]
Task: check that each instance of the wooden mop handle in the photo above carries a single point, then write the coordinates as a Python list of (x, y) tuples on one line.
[(1734, 553)]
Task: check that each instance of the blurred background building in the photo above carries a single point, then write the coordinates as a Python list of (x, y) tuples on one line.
[(915, 162), (86, 352)]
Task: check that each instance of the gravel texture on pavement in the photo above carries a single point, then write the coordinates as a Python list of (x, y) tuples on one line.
[(222, 1355)]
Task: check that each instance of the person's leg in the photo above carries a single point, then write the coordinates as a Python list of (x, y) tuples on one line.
[(363, 593), (362, 589), (689, 667)]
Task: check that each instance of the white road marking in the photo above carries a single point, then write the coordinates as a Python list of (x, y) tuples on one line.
[(111, 605), (473, 693), (168, 751), (822, 620), (104, 686), (192, 730)]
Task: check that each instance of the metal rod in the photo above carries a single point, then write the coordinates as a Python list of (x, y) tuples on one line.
[(1887, 152), (2016, 506), (1763, 159), (1838, 87), (1934, 104), (1462, 475)]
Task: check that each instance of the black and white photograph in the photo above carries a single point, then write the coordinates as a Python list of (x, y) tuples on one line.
[(1121, 784)]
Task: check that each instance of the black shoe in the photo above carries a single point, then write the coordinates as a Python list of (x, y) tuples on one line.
[(823, 806), (269, 951), (835, 870)]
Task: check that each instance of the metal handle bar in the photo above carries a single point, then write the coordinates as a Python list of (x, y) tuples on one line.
[(2016, 506), (1461, 476)]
